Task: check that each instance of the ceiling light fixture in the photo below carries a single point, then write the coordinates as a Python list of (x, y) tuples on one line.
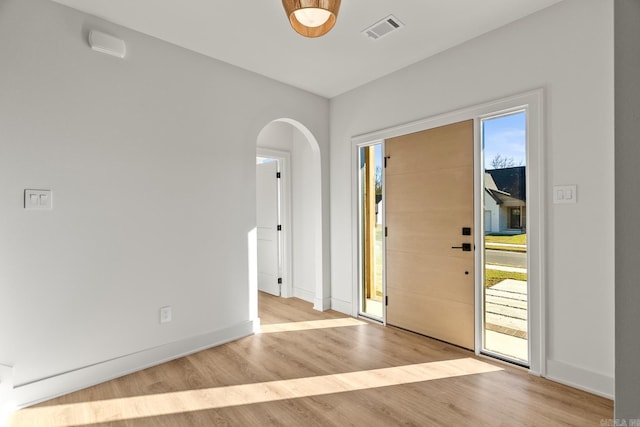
[(312, 18)]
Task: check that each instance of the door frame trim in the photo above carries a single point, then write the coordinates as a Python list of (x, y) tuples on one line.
[(533, 102), (284, 167)]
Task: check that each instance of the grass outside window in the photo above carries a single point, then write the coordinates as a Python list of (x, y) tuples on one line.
[(492, 277), (513, 239)]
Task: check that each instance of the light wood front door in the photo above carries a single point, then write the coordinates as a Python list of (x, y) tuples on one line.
[(429, 197)]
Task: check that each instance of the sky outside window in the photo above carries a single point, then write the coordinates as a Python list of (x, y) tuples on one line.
[(505, 136)]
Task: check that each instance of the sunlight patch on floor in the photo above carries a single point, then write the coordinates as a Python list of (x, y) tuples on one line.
[(111, 410), (310, 324)]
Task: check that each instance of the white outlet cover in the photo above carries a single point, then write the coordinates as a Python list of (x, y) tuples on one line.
[(165, 314)]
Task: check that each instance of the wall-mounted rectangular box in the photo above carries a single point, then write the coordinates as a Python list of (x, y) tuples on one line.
[(564, 194), (38, 199), (165, 314)]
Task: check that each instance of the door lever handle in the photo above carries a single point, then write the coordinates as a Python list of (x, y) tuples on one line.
[(466, 247)]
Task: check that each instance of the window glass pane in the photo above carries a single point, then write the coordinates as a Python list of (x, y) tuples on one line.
[(505, 319)]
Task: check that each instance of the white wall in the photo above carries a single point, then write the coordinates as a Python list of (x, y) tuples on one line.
[(276, 136), (567, 50), (151, 160), (306, 209)]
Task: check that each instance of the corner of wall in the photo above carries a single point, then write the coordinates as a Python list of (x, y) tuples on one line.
[(6, 392), (322, 304), (341, 306), (6, 379)]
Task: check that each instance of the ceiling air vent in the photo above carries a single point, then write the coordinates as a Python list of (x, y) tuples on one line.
[(383, 27)]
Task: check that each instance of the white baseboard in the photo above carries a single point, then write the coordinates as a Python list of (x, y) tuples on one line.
[(322, 304), (582, 379), (304, 294), (57, 385), (342, 306)]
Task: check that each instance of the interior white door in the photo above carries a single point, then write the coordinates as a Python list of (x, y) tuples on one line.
[(267, 227)]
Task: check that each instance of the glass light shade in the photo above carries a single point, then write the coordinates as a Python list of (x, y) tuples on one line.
[(312, 16)]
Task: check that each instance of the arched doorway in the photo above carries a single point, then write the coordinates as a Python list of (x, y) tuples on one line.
[(300, 205)]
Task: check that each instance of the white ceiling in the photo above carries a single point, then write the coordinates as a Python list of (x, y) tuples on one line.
[(256, 35)]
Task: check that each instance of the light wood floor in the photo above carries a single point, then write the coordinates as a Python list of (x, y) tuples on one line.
[(331, 373)]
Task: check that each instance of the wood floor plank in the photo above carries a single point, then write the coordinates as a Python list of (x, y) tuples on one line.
[(503, 395)]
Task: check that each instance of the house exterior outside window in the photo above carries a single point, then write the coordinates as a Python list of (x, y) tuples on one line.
[(505, 201)]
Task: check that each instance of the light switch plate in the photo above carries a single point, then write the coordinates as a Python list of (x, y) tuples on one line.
[(563, 194), (38, 199)]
